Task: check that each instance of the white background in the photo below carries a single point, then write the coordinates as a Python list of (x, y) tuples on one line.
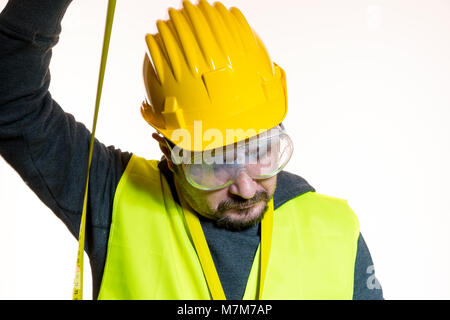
[(369, 107)]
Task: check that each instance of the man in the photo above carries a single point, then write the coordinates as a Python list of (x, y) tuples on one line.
[(216, 217)]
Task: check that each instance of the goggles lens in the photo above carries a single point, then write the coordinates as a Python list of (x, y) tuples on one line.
[(261, 157)]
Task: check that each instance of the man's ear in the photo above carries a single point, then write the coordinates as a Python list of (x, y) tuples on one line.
[(165, 150)]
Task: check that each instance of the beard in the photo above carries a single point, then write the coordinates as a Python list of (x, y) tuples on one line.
[(244, 214)]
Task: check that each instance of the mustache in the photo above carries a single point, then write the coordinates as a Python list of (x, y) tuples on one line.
[(242, 203)]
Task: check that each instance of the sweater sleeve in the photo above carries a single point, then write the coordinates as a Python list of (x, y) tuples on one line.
[(366, 285), (46, 146)]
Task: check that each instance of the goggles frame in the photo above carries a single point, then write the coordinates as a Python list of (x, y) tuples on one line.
[(265, 136)]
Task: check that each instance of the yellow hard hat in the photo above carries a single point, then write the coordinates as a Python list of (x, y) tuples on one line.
[(208, 75)]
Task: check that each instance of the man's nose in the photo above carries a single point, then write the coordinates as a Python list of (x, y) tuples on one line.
[(243, 186)]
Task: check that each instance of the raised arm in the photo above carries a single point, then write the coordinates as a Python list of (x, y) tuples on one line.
[(45, 145)]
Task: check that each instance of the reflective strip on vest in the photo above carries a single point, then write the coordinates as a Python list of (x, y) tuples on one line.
[(151, 255)]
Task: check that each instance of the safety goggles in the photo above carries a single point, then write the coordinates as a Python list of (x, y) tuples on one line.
[(261, 157)]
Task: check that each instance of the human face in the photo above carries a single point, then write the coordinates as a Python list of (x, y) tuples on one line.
[(238, 206)]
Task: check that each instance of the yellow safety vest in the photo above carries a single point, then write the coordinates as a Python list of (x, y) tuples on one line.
[(151, 255)]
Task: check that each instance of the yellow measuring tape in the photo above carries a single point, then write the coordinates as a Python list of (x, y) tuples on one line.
[(78, 282)]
